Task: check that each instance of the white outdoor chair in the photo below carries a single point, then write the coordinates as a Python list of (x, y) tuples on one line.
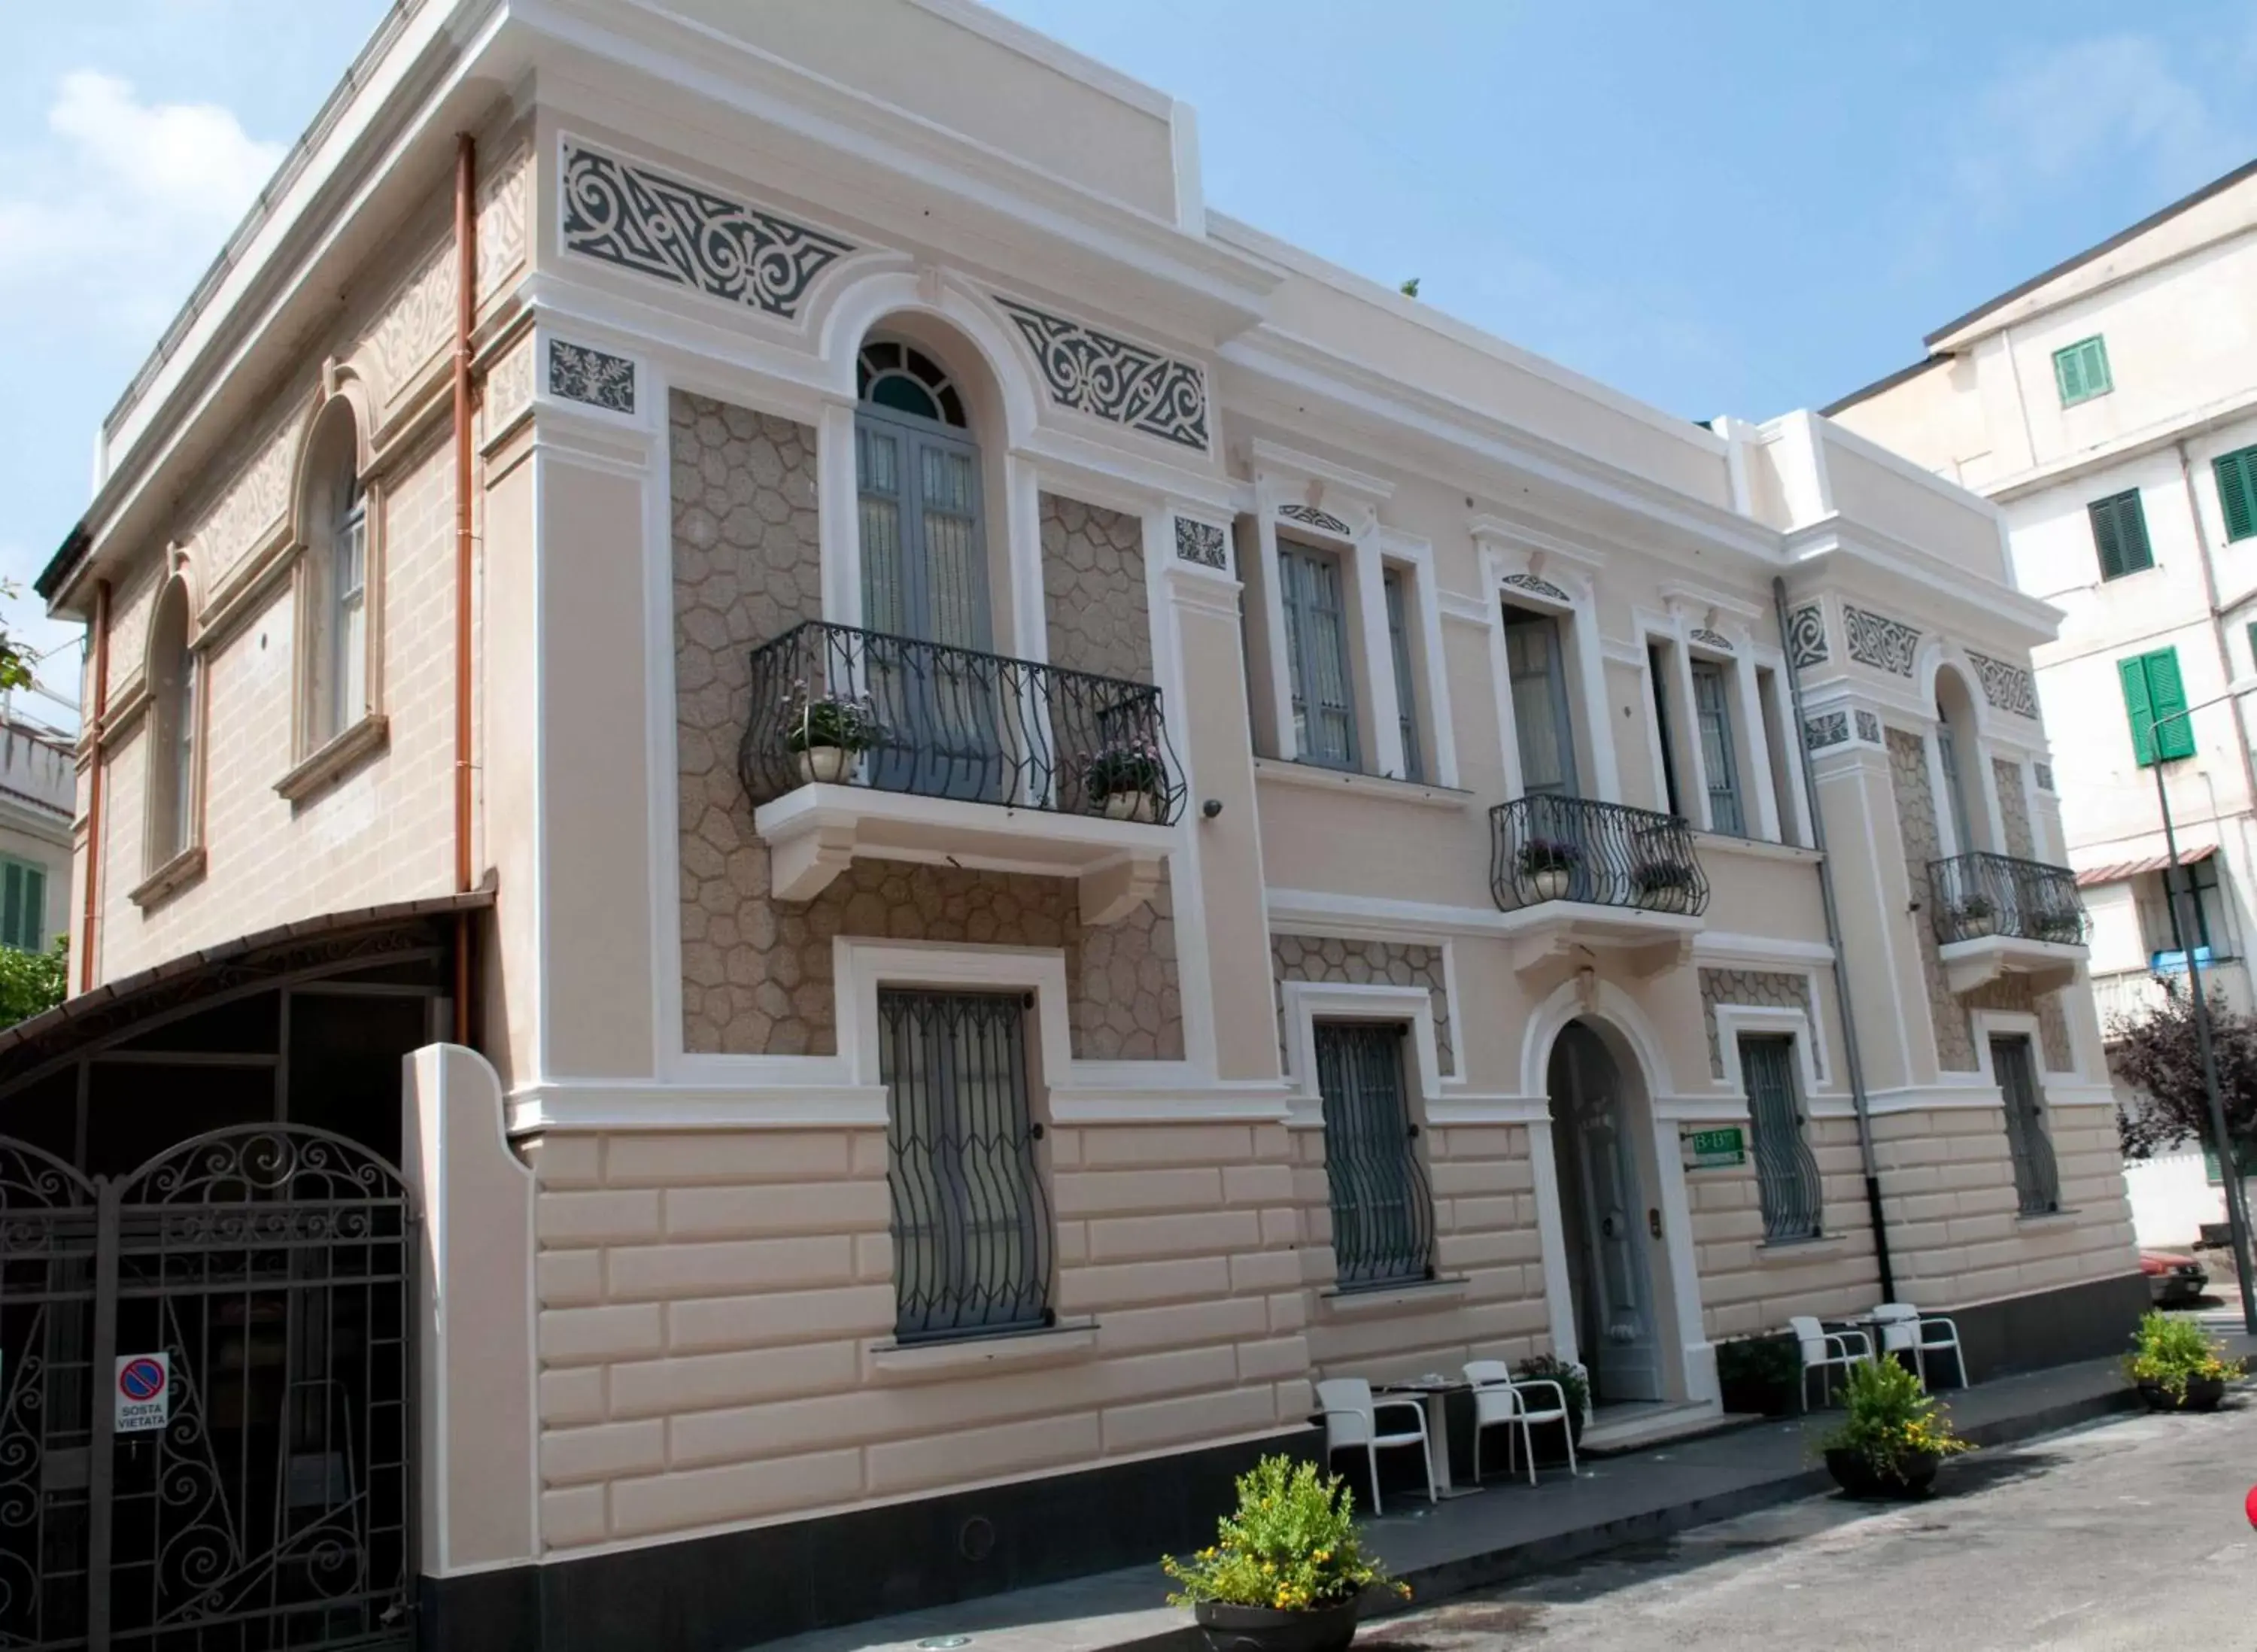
[(1905, 1329), (1824, 1351), (1501, 1398), (1351, 1419)]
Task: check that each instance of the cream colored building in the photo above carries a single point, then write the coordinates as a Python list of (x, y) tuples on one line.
[(2109, 407), (37, 787), (1074, 820)]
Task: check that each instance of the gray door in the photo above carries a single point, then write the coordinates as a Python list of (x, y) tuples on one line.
[(924, 581), (2037, 1179), (1605, 1220)]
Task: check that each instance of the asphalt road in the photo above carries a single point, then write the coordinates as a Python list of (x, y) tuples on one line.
[(2130, 1534)]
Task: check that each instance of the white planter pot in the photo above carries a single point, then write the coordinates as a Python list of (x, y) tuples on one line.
[(1137, 806), (823, 764), (1972, 929), (1551, 885), (1666, 898)]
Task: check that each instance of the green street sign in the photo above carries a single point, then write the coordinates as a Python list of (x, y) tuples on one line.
[(1717, 1149)]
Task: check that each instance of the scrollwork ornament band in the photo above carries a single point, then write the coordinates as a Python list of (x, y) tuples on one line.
[(1877, 640), (1323, 521), (1827, 730), (1540, 586), (2006, 685), (1111, 378), (1202, 543), (1805, 636)]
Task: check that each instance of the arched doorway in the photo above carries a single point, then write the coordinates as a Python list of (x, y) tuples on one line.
[(1609, 1220)]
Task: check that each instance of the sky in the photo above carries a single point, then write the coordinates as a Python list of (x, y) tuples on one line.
[(1720, 208)]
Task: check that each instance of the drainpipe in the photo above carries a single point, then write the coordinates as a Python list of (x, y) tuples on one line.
[(93, 785), (466, 306), (1851, 1059)]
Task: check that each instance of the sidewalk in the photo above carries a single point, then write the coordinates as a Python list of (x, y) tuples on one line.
[(1507, 1531)]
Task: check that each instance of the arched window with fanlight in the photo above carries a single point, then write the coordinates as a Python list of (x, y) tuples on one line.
[(924, 577), (173, 730), (334, 609)]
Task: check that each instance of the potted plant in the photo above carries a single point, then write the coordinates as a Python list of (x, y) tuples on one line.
[(1287, 1568), (2065, 928), (1894, 1437), (1664, 886), (1547, 867), (1759, 1374), (825, 732), (1544, 1437), (1125, 780), (2176, 1366), (1973, 916)]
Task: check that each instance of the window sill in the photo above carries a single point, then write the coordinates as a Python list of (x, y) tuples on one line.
[(920, 1361), (170, 878), (1755, 848), (331, 762), (2049, 1219), (1391, 1299), (1803, 1250), (1318, 777)]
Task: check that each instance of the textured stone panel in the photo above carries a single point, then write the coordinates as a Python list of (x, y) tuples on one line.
[(2014, 808), (1093, 589), (1767, 989), (1328, 958), (2012, 993), (1955, 1044)]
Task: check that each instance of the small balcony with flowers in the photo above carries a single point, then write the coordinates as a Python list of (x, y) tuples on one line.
[(1996, 916), (862, 743), (1573, 872)]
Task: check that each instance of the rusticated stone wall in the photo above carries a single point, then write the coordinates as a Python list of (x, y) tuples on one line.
[(1093, 589), (2014, 808), (2012, 993), (1315, 957), (1769, 988), (1955, 1045)]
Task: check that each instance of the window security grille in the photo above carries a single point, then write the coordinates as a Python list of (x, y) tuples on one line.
[(1382, 1211), (1786, 1171)]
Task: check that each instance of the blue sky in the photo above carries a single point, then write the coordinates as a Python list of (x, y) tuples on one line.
[(1723, 207)]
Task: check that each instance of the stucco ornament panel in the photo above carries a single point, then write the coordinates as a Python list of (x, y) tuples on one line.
[(1826, 729), (1709, 638), (1541, 586), (622, 213), (1955, 1044), (1093, 589), (1331, 959), (2005, 685), (252, 508), (2042, 774), (419, 322), (1869, 728), (1805, 636), (1126, 384), (2014, 808), (598, 377), (1877, 640), (509, 388), (1202, 542), (1311, 516), (1763, 988)]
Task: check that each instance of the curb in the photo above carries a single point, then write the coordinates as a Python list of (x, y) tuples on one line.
[(1435, 1584)]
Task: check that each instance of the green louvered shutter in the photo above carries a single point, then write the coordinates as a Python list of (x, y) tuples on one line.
[(11, 904), (2237, 492), (2167, 699), (2119, 535), (2134, 672), (2080, 371)]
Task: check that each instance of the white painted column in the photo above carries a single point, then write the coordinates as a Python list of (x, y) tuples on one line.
[(1378, 657), (1273, 622), (838, 515), (1755, 755), (1590, 653), (1688, 724), (1552, 1239)]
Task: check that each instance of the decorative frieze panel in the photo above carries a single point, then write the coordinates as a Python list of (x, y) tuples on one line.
[(1541, 586), (1111, 378), (1869, 728), (1805, 636), (509, 389), (1827, 730), (1323, 521), (1709, 638), (419, 323), (624, 214), (1202, 542), (253, 508), (2042, 772), (1877, 640), (577, 373), (2006, 685)]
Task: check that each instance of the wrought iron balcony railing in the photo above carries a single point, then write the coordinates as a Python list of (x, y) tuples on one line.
[(1984, 894), (834, 705), (1545, 848)]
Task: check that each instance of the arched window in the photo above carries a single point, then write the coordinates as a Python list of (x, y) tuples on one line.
[(173, 729), (334, 610), (902, 377)]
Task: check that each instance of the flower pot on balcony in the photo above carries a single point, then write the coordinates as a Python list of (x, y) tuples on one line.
[(1666, 898), (823, 764), (1136, 806), (1552, 884)]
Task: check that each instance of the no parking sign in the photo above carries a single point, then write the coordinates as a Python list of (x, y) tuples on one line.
[(143, 1391)]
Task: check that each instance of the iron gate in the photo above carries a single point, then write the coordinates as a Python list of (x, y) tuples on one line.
[(206, 1381)]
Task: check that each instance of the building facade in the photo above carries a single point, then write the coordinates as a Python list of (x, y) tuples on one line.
[(38, 785), (2109, 407), (1036, 820)]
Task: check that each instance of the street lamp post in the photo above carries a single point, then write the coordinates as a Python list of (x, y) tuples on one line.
[(2237, 1211)]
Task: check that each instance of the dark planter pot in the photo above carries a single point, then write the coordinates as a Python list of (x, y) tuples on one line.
[(1261, 1629), (1916, 1473), (2203, 1394)]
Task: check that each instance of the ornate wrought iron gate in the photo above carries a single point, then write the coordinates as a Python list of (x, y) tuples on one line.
[(206, 1388)]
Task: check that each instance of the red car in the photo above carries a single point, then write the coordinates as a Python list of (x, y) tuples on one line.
[(2173, 1276)]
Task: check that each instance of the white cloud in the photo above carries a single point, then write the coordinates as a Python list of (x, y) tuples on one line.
[(117, 216)]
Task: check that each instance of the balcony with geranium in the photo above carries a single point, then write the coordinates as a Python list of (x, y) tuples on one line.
[(1575, 872), (865, 744), (1996, 914)]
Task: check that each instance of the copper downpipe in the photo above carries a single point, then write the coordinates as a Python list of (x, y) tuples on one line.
[(94, 786), (466, 308)]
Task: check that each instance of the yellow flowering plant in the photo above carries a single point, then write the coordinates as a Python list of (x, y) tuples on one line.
[(1891, 1418), (1291, 1545), (2170, 1350)]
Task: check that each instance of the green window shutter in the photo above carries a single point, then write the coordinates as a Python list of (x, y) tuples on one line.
[(2119, 535), (2237, 492), (35, 909), (2173, 734), (2080, 371), (11, 905), (2134, 672)]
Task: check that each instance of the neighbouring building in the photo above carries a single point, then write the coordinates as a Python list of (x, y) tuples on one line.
[(2109, 407), (990, 821), (39, 789)]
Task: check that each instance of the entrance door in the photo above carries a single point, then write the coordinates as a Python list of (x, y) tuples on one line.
[(1604, 1217), (206, 1377)]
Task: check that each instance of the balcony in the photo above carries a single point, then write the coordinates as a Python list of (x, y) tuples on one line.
[(1996, 915), (2132, 995), (861, 743), (1583, 873)]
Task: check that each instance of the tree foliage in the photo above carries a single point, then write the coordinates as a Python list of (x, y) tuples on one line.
[(32, 982), (2160, 1058)]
